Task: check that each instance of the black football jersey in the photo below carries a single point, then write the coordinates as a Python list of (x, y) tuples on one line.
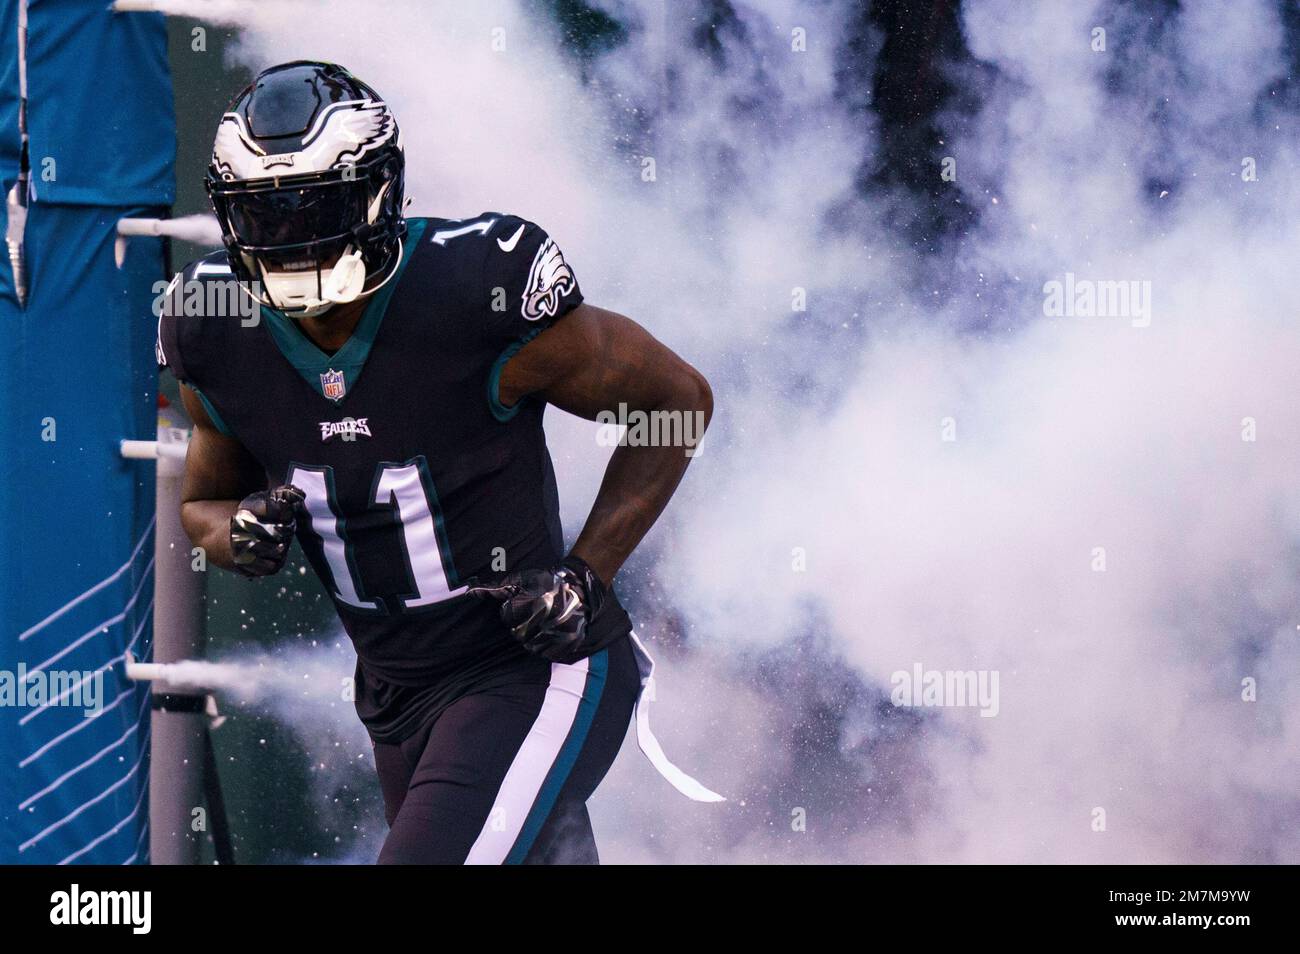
[(416, 477)]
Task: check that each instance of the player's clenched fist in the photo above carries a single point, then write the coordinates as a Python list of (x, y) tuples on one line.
[(262, 529), (549, 610)]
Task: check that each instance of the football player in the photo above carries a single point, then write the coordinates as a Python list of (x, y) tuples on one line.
[(385, 409)]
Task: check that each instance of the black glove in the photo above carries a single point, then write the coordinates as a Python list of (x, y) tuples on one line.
[(549, 611), (262, 529)]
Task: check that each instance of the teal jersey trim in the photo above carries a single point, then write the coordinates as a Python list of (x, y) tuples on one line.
[(499, 410), (309, 360), (597, 671), (213, 416)]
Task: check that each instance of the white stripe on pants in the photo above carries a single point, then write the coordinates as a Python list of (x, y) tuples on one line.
[(532, 763)]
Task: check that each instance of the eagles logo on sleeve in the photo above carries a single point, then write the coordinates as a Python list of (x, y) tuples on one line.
[(549, 280)]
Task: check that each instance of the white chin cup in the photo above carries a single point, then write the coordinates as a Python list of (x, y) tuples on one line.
[(296, 291), (345, 279)]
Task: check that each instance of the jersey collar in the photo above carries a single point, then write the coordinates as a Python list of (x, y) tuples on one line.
[(343, 367)]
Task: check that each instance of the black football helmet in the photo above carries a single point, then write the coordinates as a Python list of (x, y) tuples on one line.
[(307, 180)]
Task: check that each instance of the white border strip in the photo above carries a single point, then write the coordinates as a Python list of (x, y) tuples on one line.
[(85, 805), (107, 581), (135, 727), (112, 831), (100, 627)]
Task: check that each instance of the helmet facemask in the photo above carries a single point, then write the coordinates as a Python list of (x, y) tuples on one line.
[(306, 243)]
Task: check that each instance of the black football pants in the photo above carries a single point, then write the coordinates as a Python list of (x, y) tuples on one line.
[(503, 775)]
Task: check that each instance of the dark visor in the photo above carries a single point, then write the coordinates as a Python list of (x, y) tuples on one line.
[(295, 216)]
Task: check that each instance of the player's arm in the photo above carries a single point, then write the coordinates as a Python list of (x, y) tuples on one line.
[(222, 480), (594, 360)]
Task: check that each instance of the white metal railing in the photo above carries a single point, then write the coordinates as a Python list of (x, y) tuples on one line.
[(199, 229)]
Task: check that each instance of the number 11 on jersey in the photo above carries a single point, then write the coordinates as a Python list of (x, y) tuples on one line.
[(408, 490)]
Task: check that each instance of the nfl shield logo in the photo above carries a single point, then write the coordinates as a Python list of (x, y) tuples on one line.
[(331, 383)]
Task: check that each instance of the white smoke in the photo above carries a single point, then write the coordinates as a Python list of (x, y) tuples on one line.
[(1121, 689), (308, 686)]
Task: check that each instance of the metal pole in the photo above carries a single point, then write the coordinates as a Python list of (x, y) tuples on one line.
[(177, 817), (16, 200)]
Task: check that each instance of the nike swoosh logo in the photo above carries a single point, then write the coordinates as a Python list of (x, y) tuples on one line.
[(508, 245)]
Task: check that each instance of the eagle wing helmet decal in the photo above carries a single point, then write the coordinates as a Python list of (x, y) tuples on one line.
[(341, 135), (549, 279), (233, 153), (355, 128)]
